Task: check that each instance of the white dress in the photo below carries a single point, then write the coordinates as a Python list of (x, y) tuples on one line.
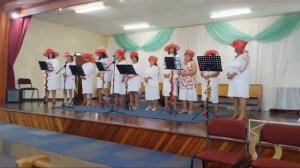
[(105, 76), (239, 85), (51, 78), (152, 86), (116, 81), (188, 90), (134, 84), (88, 82), (166, 81), (214, 83), (69, 81)]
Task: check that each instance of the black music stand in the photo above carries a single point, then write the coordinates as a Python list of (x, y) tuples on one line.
[(76, 71), (172, 63), (208, 63), (127, 69), (46, 66)]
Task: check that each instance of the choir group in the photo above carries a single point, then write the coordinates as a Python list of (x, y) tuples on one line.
[(177, 84)]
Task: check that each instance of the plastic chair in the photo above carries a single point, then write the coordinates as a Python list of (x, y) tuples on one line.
[(278, 134), (27, 82), (225, 129)]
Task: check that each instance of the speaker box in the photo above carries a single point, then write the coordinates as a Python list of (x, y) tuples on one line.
[(14, 96)]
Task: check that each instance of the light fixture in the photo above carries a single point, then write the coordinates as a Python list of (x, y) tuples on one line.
[(231, 12), (89, 7), (14, 15), (136, 26)]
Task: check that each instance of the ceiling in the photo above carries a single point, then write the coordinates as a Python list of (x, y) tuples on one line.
[(162, 13)]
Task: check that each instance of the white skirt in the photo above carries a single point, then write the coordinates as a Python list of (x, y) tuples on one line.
[(68, 83), (87, 87), (53, 82), (134, 84), (100, 84), (188, 94), (238, 88), (214, 98), (167, 88), (151, 92)]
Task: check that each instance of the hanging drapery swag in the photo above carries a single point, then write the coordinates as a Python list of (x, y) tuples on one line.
[(155, 43), (278, 30), (221, 31)]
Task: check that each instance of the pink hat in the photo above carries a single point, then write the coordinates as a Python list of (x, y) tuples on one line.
[(50, 51), (153, 58), (172, 45), (68, 54), (239, 44), (134, 54), (100, 51), (211, 53), (89, 56), (121, 53), (190, 53)]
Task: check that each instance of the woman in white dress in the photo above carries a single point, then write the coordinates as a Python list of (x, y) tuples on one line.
[(172, 50), (88, 80), (68, 82), (51, 78), (118, 87), (134, 81), (188, 83), (214, 83), (152, 84), (239, 76), (103, 78)]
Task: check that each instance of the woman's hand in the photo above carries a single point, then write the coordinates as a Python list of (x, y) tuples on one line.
[(230, 76)]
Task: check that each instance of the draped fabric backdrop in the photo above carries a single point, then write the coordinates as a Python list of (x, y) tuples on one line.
[(18, 28), (274, 64)]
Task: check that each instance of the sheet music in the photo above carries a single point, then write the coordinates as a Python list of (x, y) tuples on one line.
[(50, 66)]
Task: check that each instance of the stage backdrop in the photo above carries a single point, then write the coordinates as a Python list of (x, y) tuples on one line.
[(274, 64), (41, 35)]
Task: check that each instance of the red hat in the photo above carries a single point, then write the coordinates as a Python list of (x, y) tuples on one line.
[(88, 56), (50, 51), (211, 53), (100, 51), (134, 54), (68, 54), (121, 53), (172, 45), (190, 53), (239, 44), (152, 57)]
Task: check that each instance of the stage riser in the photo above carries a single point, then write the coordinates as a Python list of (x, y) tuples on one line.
[(185, 145)]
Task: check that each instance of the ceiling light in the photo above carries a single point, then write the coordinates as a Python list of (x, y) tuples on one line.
[(89, 7), (232, 12), (14, 15), (136, 26)]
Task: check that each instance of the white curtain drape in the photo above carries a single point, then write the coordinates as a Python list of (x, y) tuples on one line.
[(275, 65)]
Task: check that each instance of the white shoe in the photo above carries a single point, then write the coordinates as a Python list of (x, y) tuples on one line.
[(148, 108), (298, 120), (154, 109)]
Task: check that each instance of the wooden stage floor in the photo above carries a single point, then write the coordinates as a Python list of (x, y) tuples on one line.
[(168, 136), (194, 129)]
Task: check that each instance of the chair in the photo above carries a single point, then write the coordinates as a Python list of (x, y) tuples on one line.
[(278, 134), (225, 129), (27, 82), (40, 161)]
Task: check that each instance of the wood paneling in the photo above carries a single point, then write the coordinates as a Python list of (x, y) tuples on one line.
[(4, 31), (176, 143)]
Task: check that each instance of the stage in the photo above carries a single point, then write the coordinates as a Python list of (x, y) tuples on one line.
[(181, 138)]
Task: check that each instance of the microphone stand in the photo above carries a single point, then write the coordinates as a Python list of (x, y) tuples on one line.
[(112, 109)]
